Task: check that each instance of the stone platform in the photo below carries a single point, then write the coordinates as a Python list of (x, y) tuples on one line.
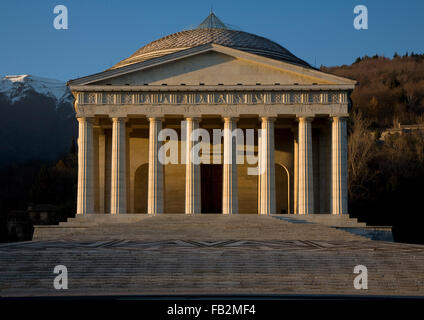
[(197, 227), (209, 254)]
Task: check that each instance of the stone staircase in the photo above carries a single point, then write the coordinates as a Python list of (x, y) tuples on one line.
[(202, 226), (342, 221), (99, 219), (83, 222), (208, 254)]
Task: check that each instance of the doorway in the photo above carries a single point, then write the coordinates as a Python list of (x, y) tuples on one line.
[(282, 189), (211, 188)]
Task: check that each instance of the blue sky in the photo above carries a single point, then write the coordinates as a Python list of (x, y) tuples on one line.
[(104, 32)]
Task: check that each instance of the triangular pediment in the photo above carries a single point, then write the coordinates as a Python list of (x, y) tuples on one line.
[(212, 65)]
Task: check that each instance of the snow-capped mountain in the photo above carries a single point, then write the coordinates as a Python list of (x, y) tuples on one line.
[(16, 87), (38, 119)]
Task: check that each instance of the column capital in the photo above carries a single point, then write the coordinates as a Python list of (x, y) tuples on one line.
[(268, 118), (338, 116), (85, 119), (230, 118), (192, 118), (119, 119), (308, 118), (156, 118)]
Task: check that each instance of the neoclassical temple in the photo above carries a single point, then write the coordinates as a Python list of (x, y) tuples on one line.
[(212, 77)]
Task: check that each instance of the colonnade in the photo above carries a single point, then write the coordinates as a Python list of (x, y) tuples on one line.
[(303, 167)]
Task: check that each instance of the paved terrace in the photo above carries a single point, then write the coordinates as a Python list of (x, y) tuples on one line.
[(208, 254)]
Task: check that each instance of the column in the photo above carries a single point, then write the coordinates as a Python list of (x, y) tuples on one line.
[(305, 185), (192, 194), (259, 171), (267, 167), (85, 193), (118, 194), (229, 185), (155, 182), (324, 168), (296, 171), (102, 159), (339, 166)]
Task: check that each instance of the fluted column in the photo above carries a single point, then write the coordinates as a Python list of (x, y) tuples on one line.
[(267, 167), (325, 168), (118, 194), (102, 163), (85, 193), (305, 185), (259, 172), (155, 182), (339, 166), (295, 171), (192, 194), (229, 185)]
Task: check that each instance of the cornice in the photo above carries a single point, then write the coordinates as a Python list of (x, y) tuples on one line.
[(208, 88)]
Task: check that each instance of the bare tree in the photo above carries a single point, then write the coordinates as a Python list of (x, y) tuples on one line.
[(360, 151)]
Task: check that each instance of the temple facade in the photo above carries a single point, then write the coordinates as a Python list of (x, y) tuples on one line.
[(210, 78)]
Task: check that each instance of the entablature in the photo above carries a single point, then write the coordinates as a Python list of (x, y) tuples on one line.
[(219, 97), (281, 110)]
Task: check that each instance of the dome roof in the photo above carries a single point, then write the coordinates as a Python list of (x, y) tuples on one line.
[(212, 30)]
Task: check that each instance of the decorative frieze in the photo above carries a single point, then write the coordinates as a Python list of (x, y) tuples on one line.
[(127, 98), (314, 97), (182, 98), (295, 98), (258, 98), (277, 98), (239, 98), (334, 97), (90, 98), (201, 98), (107, 98), (219, 98)]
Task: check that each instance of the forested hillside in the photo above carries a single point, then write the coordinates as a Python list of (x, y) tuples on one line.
[(386, 177), (389, 89)]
